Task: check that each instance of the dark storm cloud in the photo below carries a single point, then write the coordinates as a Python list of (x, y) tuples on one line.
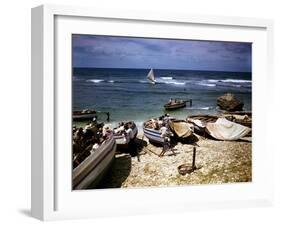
[(106, 51)]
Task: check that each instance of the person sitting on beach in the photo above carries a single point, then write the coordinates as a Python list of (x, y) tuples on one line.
[(78, 135), (157, 127), (120, 128), (95, 120), (74, 129), (153, 123), (106, 132)]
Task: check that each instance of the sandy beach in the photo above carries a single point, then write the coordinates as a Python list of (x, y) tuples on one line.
[(216, 161)]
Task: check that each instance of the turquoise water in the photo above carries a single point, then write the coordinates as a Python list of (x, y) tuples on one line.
[(127, 94)]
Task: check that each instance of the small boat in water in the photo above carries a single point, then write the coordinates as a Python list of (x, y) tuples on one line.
[(89, 172), (176, 104), (150, 76), (122, 137), (85, 114)]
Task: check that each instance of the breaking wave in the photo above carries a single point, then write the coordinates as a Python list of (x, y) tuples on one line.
[(230, 80), (167, 78), (206, 84), (95, 80), (236, 83)]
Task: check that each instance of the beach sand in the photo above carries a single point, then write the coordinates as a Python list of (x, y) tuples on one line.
[(217, 162)]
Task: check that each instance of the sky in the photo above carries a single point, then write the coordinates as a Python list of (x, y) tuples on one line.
[(127, 52)]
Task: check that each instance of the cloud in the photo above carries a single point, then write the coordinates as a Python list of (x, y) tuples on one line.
[(109, 51)]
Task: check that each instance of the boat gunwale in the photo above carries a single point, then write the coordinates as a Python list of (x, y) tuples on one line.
[(79, 174)]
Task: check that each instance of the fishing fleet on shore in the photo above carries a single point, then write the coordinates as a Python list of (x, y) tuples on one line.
[(95, 144)]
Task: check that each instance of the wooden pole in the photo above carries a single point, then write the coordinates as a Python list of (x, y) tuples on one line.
[(193, 158)]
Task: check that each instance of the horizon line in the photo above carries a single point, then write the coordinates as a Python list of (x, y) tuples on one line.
[(159, 69)]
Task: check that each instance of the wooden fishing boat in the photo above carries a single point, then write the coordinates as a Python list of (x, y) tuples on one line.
[(224, 129), (219, 128), (178, 128), (181, 128), (200, 121), (240, 118), (175, 105), (89, 172), (122, 140), (86, 114), (249, 113), (153, 135)]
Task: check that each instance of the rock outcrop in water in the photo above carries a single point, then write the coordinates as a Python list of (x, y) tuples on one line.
[(229, 102)]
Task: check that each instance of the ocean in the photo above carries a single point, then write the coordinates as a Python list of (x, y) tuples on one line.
[(128, 95)]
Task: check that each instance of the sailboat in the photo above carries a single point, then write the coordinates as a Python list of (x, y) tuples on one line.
[(150, 76)]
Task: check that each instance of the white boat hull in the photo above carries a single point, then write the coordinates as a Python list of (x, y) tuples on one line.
[(153, 135), (91, 170)]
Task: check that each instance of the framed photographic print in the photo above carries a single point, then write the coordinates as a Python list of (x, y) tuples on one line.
[(136, 112)]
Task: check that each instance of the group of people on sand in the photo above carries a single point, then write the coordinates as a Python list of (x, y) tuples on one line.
[(87, 140), (125, 128)]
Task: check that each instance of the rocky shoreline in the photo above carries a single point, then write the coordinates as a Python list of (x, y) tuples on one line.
[(217, 162)]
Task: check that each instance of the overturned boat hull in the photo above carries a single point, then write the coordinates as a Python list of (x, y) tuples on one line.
[(218, 127), (89, 173), (224, 129)]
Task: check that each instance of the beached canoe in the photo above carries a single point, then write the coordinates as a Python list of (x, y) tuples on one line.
[(89, 172), (181, 128), (122, 140), (245, 120), (83, 115), (200, 121), (177, 128), (218, 127), (153, 135), (224, 129)]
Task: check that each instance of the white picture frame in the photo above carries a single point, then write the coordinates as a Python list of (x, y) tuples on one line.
[(51, 200)]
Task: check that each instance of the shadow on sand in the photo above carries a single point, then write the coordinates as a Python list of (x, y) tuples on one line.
[(122, 164), (189, 140), (118, 173)]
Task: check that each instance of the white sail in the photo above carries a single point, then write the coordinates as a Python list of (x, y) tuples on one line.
[(150, 76)]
